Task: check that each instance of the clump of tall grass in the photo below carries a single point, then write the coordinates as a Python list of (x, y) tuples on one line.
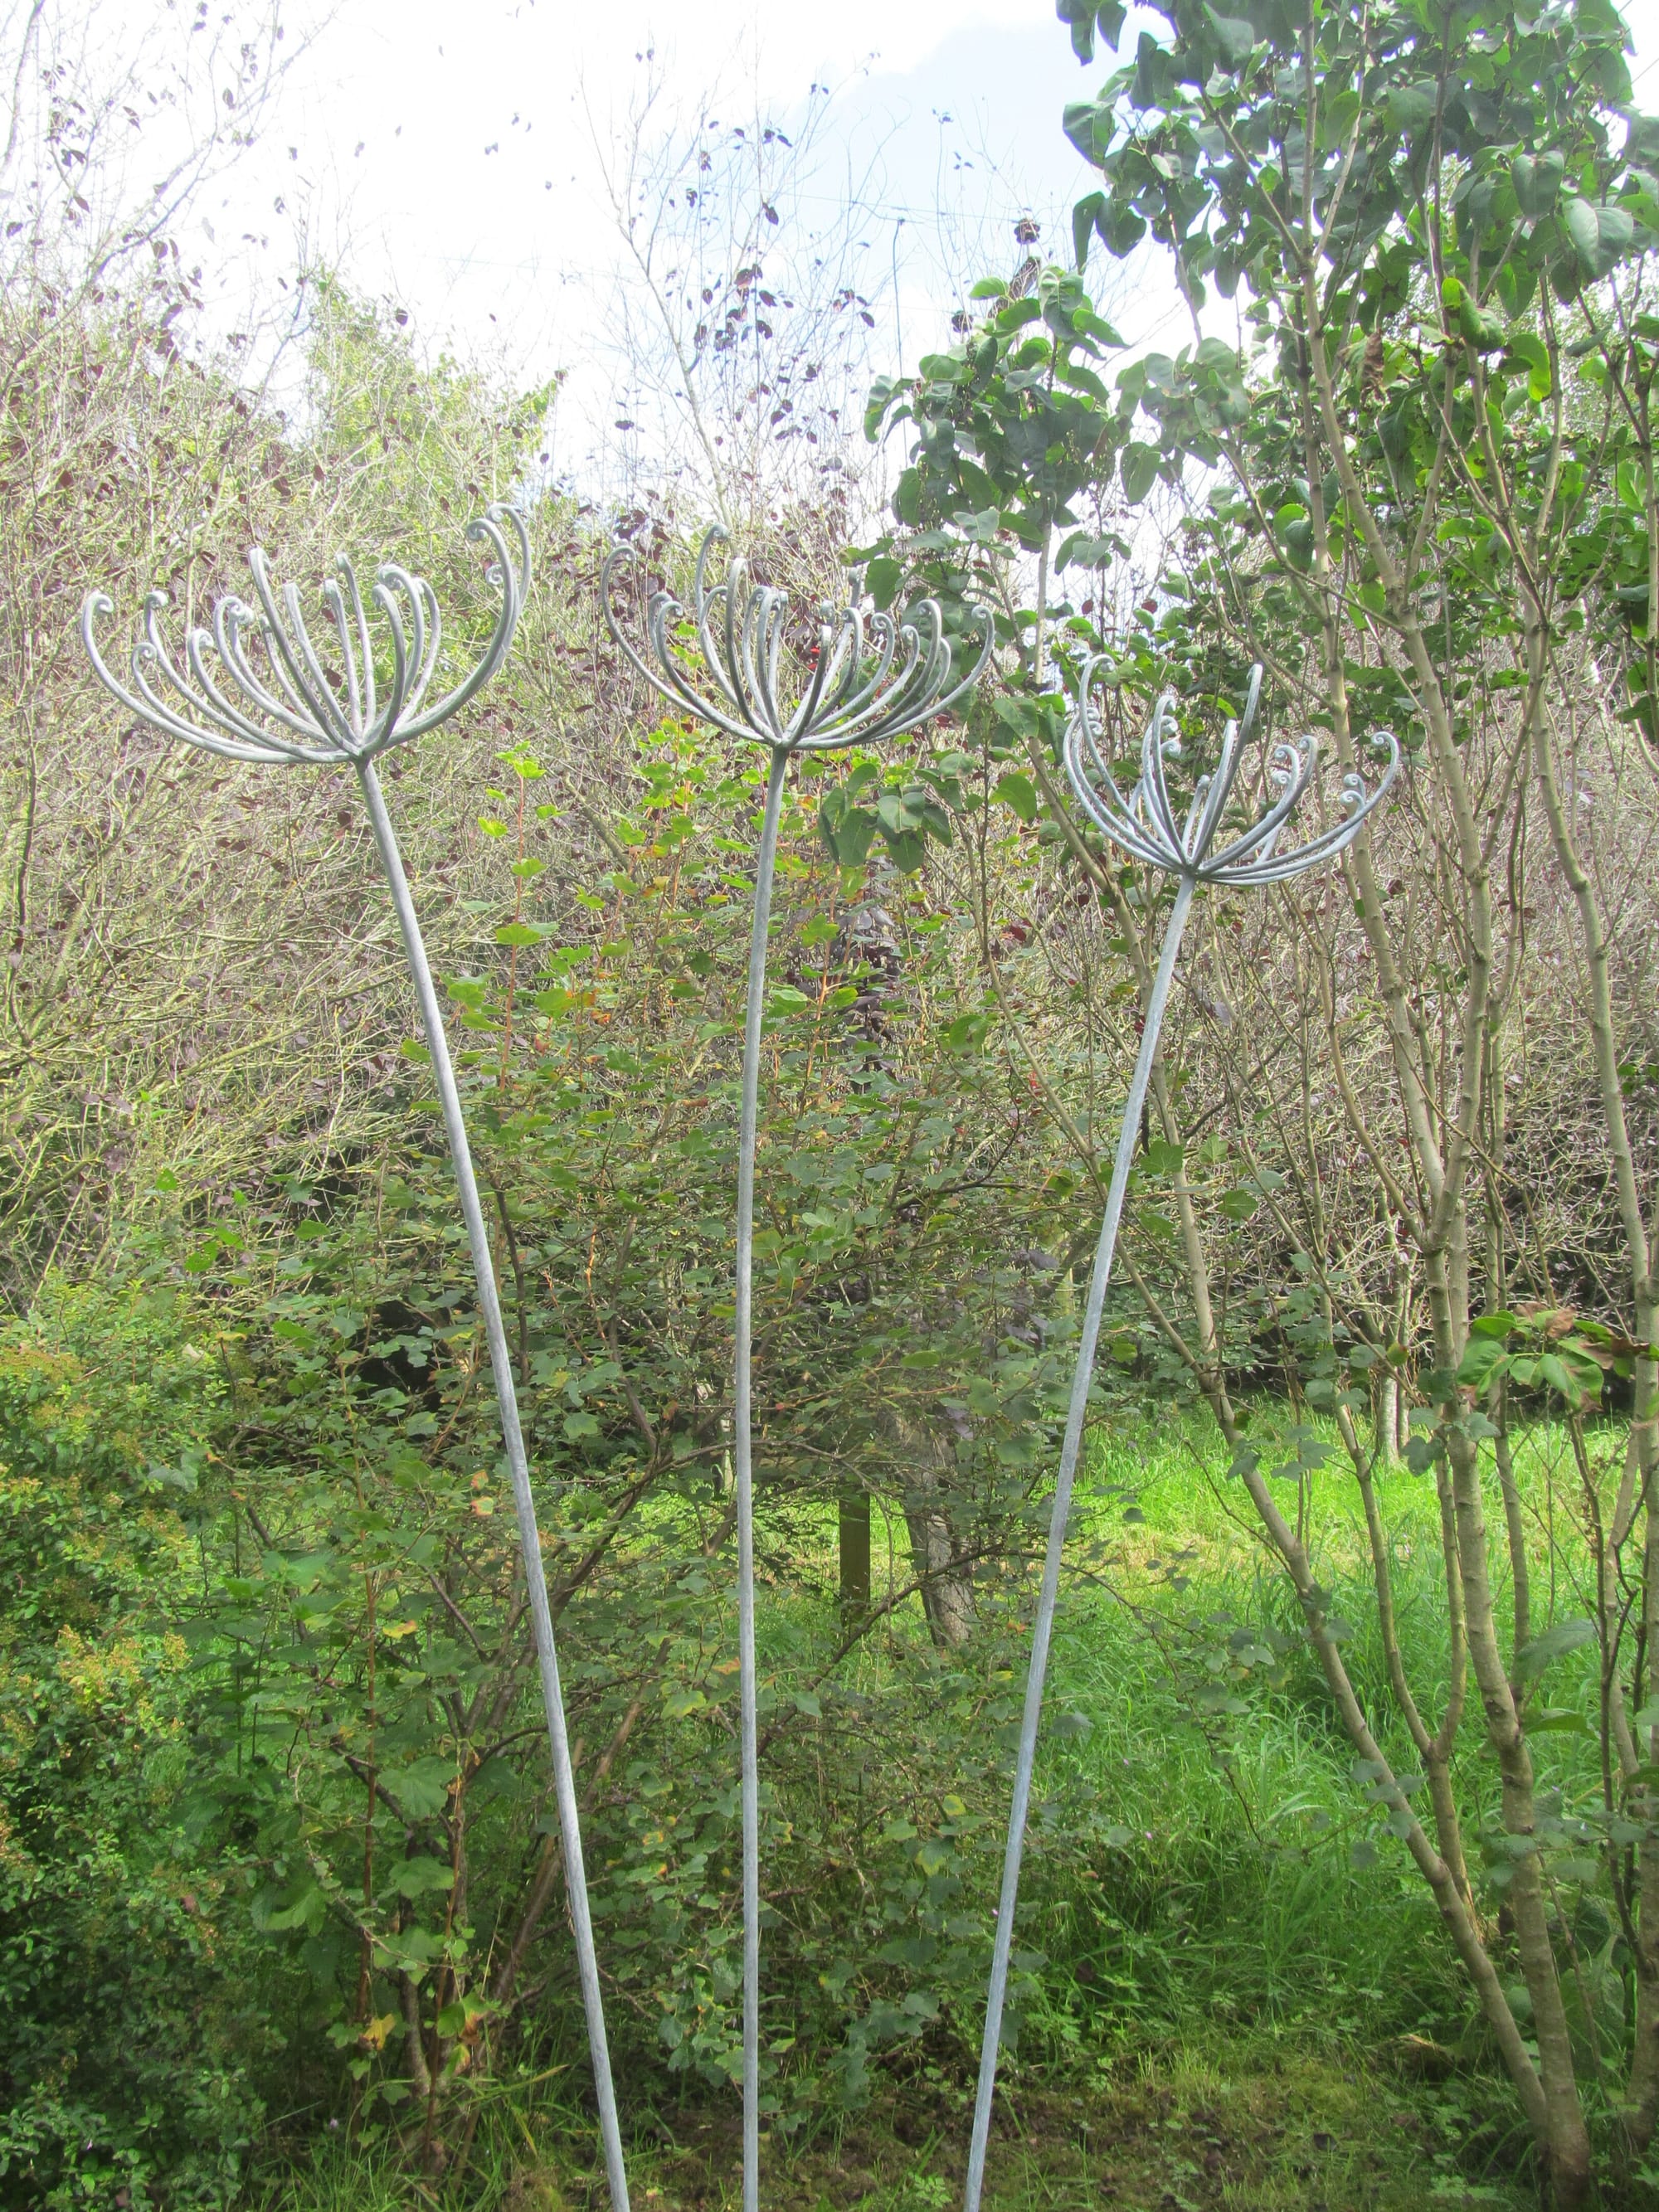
[(1205, 1854)]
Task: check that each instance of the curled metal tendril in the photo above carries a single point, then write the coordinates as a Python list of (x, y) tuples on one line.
[(873, 675), (287, 707), (1148, 827)]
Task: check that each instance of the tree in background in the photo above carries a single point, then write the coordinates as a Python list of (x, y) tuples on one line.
[(270, 1682), (1418, 485)]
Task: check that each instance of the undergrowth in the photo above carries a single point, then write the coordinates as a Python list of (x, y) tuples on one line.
[(1235, 1987)]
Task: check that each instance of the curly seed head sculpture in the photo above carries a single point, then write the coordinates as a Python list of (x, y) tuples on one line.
[(871, 677), (292, 712), (1147, 827), (285, 708), (861, 680)]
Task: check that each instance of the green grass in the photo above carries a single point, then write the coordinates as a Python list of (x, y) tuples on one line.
[(1247, 2000), (1179, 2129)]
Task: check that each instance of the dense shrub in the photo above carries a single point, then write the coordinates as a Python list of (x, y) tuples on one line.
[(135, 2033)]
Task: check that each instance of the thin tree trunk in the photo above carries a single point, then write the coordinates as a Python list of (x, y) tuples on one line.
[(929, 1467), (852, 1517), (1387, 1439)]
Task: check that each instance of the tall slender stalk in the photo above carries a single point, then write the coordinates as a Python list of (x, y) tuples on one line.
[(742, 1465), (282, 708), (866, 678), (1146, 825), (1049, 1598), (518, 1467)]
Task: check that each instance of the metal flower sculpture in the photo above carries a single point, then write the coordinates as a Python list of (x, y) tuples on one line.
[(861, 679), (254, 688), (1203, 845)]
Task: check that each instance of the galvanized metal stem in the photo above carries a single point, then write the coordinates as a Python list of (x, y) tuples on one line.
[(743, 1468), (287, 710), (524, 1502), (1049, 1597), (1147, 825), (866, 678)]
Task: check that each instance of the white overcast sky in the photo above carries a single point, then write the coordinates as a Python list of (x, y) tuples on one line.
[(444, 155), (426, 87)]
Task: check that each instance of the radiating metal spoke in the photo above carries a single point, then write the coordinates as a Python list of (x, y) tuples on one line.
[(864, 679), (1145, 825), (285, 708)]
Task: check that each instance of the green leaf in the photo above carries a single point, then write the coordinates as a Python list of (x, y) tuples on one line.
[(883, 391), (422, 1788), (882, 578), (1578, 220), (967, 1033), (1089, 124), (307, 1907), (1154, 79), (1483, 1358), (1138, 465), (1543, 1650), (1080, 15), (935, 822), (1235, 35), (847, 830), (1616, 230), (1536, 181), (1421, 1452), (419, 1877), (1411, 107), (1497, 1325), (1086, 217), (1016, 789), (907, 847)]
